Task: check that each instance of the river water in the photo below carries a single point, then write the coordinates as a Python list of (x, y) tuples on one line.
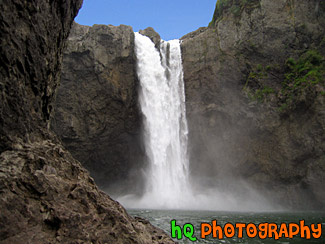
[(162, 219)]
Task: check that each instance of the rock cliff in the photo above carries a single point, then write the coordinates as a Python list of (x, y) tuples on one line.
[(30, 65), (45, 194), (249, 116), (96, 111), (254, 82)]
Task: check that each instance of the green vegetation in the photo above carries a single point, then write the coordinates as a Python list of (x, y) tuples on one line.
[(301, 78), (236, 7), (304, 79), (256, 81), (308, 70), (261, 94)]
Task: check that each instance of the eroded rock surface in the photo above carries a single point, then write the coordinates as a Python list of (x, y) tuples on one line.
[(47, 197), (31, 52)]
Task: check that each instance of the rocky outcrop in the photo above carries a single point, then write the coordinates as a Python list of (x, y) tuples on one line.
[(153, 35), (96, 111), (244, 121), (45, 194), (47, 197)]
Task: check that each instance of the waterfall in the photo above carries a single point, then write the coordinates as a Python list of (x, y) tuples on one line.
[(162, 101)]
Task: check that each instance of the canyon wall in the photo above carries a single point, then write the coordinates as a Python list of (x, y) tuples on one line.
[(254, 118), (46, 196)]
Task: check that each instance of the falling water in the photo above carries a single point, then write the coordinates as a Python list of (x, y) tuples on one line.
[(162, 101)]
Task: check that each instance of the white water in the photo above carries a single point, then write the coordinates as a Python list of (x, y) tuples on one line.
[(162, 101)]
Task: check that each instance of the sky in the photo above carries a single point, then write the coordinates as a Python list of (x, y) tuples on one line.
[(170, 18)]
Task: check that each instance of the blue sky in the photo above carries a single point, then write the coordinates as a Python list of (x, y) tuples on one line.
[(170, 18)]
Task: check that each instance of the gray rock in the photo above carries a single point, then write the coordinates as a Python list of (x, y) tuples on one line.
[(96, 110), (235, 137), (153, 35)]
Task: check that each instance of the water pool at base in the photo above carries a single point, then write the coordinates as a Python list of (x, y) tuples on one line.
[(162, 219)]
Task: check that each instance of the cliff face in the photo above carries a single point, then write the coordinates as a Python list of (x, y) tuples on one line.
[(249, 116), (30, 65), (45, 194), (96, 113), (254, 85), (96, 110)]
